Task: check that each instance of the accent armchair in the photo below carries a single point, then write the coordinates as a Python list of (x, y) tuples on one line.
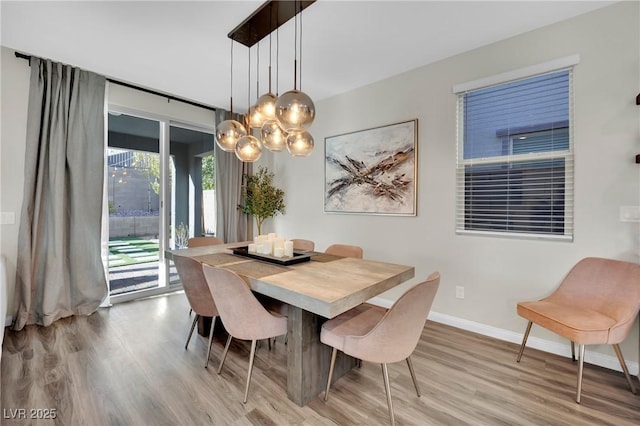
[(596, 303)]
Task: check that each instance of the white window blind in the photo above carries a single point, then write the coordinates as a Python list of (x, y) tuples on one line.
[(515, 158)]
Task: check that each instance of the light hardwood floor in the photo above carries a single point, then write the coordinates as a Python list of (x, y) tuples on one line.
[(127, 366)]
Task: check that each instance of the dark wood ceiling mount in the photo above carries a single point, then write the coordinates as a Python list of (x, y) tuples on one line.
[(266, 19)]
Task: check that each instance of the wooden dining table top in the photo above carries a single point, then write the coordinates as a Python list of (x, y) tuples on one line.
[(327, 285)]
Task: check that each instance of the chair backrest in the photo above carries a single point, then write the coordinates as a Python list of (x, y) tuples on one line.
[(303, 245), (345, 250), (611, 287), (203, 241), (241, 313), (396, 335), (195, 286)]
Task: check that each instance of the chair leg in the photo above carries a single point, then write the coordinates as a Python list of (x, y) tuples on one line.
[(524, 340), (413, 376), (573, 351), (387, 389), (213, 325), (224, 353), (580, 368), (333, 364), (624, 367), (251, 357), (193, 325)]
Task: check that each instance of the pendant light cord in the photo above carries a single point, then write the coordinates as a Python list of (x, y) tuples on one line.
[(270, 47), (300, 64), (295, 51), (231, 95)]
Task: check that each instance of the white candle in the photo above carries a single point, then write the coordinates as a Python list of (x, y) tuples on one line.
[(253, 248), (267, 247), (278, 242), (288, 248), (278, 252), (271, 235)]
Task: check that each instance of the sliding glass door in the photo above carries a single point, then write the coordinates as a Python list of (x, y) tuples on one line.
[(160, 192)]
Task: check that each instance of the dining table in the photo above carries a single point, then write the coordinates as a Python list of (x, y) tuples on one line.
[(315, 290)]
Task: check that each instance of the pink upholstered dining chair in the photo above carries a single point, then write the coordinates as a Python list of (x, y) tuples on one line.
[(375, 334), (198, 294), (303, 245), (203, 241), (596, 303), (345, 250), (241, 313)]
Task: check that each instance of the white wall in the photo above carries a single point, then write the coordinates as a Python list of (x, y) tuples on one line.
[(496, 272), (14, 94)]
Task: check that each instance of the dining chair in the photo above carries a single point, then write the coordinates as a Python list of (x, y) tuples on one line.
[(345, 250), (241, 313), (198, 294), (203, 241), (303, 245), (375, 334), (596, 303)]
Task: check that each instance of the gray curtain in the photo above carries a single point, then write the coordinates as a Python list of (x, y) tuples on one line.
[(232, 225), (59, 267)]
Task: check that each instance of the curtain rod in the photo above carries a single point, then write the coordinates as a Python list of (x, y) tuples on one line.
[(142, 89)]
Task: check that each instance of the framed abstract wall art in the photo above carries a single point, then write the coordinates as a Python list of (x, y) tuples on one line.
[(372, 171)]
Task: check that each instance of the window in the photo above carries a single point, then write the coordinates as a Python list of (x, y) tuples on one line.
[(515, 158)]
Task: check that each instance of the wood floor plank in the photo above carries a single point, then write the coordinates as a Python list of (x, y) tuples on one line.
[(127, 365)]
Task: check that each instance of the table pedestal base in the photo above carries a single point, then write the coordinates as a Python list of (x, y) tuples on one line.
[(308, 359)]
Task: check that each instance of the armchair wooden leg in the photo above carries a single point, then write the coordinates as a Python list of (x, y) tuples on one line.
[(623, 364), (224, 353), (387, 389), (573, 351), (213, 325), (333, 363), (524, 340), (193, 325), (580, 368), (251, 358), (413, 376)]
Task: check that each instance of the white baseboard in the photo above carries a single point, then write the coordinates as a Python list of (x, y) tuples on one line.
[(556, 348)]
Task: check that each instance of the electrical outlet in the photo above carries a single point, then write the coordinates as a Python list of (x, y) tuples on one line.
[(629, 213), (7, 218), (459, 292)]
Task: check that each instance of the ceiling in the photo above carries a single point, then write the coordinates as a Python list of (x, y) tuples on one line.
[(181, 48)]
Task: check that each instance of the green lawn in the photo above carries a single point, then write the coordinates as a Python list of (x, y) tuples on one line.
[(132, 250)]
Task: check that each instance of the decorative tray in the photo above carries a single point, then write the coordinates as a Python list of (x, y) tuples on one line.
[(298, 257)]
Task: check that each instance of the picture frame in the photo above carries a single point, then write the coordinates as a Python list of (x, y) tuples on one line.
[(372, 171)]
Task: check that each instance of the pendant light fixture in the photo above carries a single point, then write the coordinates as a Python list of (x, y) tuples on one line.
[(272, 135), (295, 109), (229, 131), (248, 148), (299, 143)]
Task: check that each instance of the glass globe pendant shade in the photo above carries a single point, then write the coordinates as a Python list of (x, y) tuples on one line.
[(273, 137), (299, 143), (248, 149), (256, 120), (295, 110), (266, 106), (227, 134)]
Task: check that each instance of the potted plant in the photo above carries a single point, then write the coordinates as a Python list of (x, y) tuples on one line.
[(261, 199)]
